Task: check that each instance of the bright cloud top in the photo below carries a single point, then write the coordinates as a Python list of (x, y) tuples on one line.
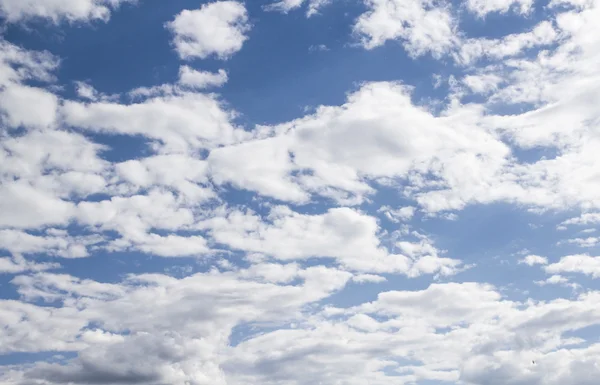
[(215, 29)]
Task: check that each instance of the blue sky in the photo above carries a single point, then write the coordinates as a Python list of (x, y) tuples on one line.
[(299, 192)]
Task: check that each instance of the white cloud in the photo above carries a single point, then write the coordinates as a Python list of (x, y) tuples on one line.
[(178, 123), (284, 6), (423, 26), (368, 278), (584, 242), (182, 328), (28, 106), (218, 28), (474, 49), (482, 83), (59, 10), (448, 332), (344, 234), (532, 260), (17, 265), (580, 263), (329, 153), (201, 79), (184, 174), (53, 242), (483, 7), (18, 64), (134, 219), (24, 206), (401, 214), (583, 219), (557, 279)]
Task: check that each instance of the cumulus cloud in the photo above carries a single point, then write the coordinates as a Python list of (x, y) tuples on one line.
[(17, 265), (218, 28), (343, 234), (482, 7), (59, 10), (423, 26), (178, 123), (474, 49), (532, 260), (201, 79), (579, 263), (284, 6)]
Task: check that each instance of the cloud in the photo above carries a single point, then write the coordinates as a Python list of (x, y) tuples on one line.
[(344, 234), (532, 260), (423, 26), (285, 6), (180, 329), (583, 219), (54, 242), (16, 102), (186, 175), (201, 79), (203, 308), (17, 264), (218, 28), (401, 214), (177, 123), (58, 10), (584, 242), (579, 263), (446, 332), (330, 154), (475, 49), (482, 7), (24, 206)]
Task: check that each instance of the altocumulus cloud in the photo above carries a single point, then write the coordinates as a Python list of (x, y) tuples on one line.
[(226, 206)]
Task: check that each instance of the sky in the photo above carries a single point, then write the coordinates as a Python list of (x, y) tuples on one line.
[(299, 192)]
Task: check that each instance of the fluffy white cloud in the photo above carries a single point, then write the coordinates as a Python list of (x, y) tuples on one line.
[(473, 49), (17, 102), (58, 10), (584, 242), (583, 219), (532, 260), (447, 332), (17, 265), (346, 235), (149, 308), (54, 242), (483, 7), (178, 123), (135, 218), (182, 327), (201, 79), (184, 174), (218, 28), (581, 263), (314, 6), (398, 215), (379, 133), (24, 206), (423, 26)]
